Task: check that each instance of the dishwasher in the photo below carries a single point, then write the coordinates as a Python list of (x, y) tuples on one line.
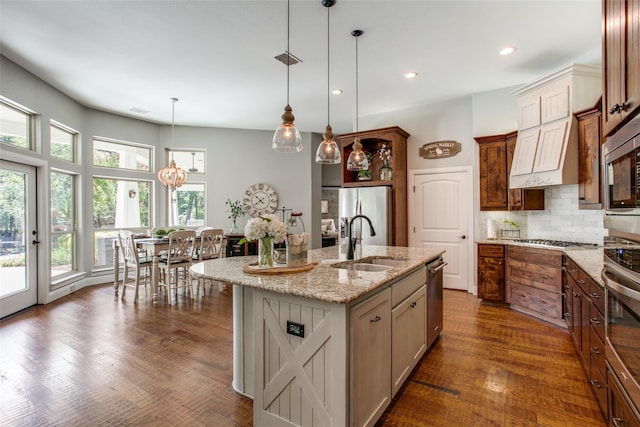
[(434, 299)]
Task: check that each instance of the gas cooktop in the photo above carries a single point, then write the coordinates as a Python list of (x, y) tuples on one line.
[(555, 243)]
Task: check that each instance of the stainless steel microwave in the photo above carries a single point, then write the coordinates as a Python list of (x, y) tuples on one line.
[(621, 159)]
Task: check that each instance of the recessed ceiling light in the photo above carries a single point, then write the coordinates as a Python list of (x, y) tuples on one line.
[(337, 91), (139, 110), (410, 75), (507, 50)]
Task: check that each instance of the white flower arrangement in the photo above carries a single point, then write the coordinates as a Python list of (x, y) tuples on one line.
[(265, 226), (385, 154)]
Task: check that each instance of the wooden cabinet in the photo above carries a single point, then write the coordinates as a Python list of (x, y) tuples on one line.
[(370, 358), (534, 282), (496, 158), (409, 336), (491, 272), (621, 63), (589, 147), (372, 140), (621, 410), (235, 248), (586, 326)]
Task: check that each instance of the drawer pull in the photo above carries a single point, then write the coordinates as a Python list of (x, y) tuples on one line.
[(617, 422), (375, 319), (413, 304), (567, 315), (594, 295), (595, 350), (595, 321), (576, 295), (596, 383)]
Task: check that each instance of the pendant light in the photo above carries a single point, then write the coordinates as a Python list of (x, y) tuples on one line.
[(357, 159), (287, 138), (172, 176), (328, 151)]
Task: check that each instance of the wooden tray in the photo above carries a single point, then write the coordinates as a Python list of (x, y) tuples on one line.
[(247, 268)]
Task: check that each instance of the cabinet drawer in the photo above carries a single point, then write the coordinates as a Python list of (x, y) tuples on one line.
[(492, 251), (548, 257), (597, 321), (596, 294), (599, 386), (537, 276), (571, 267), (597, 352), (547, 303), (407, 286)]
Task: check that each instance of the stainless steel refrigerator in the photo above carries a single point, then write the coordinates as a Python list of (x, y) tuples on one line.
[(375, 203)]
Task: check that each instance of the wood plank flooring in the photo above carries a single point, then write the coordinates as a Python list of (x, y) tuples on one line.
[(92, 359)]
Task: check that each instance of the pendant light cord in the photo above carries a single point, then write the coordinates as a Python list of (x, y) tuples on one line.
[(288, 52), (173, 130), (357, 89), (328, 59)]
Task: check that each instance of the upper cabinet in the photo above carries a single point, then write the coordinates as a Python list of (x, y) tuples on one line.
[(496, 156), (621, 57), (395, 139), (546, 149), (590, 140)]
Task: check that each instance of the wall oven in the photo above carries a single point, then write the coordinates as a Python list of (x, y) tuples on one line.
[(621, 276)]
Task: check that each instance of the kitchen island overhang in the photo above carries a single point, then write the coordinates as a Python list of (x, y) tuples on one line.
[(297, 366)]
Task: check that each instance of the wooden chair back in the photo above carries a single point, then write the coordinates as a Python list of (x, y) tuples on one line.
[(210, 244), (180, 246)]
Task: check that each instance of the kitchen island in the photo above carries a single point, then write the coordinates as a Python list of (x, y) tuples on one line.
[(315, 348)]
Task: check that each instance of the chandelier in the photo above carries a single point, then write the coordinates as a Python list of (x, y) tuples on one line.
[(172, 176)]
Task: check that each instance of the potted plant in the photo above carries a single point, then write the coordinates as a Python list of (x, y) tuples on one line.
[(235, 209)]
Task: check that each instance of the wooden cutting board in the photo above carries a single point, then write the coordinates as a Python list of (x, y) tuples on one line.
[(250, 268)]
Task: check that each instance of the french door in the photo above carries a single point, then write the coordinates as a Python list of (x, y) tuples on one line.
[(18, 238)]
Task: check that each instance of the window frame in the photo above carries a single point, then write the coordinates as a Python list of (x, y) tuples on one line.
[(31, 124), (56, 279), (74, 140), (149, 148)]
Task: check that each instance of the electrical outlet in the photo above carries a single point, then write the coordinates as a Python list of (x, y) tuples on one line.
[(72, 289)]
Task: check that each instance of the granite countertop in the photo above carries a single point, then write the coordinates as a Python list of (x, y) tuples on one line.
[(590, 259), (323, 282)]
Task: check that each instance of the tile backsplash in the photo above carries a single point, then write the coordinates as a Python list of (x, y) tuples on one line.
[(561, 219)]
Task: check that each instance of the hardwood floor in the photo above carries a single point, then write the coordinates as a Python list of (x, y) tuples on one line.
[(91, 359)]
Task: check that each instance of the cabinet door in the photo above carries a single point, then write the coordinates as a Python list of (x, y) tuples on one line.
[(589, 142), (621, 98), (370, 359), (620, 412), (491, 278), (409, 336), (528, 112), (554, 103), (521, 198), (493, 176)]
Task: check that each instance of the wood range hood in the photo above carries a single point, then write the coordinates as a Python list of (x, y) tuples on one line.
[(547, 146)]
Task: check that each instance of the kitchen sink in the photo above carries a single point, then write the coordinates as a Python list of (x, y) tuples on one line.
[(362, 266), (383, 261)]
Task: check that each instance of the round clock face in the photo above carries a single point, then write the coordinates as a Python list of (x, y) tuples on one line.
[(260, 199)]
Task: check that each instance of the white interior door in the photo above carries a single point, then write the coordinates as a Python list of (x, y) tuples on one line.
[(18, 271), (442, 218)]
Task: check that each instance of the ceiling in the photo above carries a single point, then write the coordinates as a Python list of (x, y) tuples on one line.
[(217, 57)]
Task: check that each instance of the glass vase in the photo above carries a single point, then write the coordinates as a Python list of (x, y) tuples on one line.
[(386, 173), (234, 227), (265, 252)]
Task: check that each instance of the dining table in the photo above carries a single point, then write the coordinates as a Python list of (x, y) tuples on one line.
[(153, 246)]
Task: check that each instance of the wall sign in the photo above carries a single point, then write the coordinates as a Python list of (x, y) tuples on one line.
[(440, 149)]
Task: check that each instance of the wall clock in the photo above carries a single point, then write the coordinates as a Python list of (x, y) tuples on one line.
[(260, 199)]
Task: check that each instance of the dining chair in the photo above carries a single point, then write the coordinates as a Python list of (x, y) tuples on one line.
[(174, 270), (133, 259), (211, 247)]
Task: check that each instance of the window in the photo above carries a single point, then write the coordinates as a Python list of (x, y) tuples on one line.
[(16, 126), (63, 224), (187, 205), (63, 142), (190, 160), (121, 155)]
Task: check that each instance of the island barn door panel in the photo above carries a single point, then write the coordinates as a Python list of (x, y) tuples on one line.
[(300, 380)]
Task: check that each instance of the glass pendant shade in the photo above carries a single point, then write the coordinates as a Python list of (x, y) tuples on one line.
[(357, 159), (287, 138), (328, 152), (172, 176)]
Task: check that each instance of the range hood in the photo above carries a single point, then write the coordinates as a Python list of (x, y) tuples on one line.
[(546, 150)]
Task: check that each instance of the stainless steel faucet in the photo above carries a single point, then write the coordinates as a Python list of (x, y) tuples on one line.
[(351, 241)]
